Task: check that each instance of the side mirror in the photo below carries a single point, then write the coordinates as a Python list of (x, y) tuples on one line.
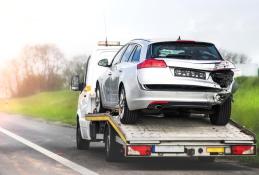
[(75, 83), (104, 63)]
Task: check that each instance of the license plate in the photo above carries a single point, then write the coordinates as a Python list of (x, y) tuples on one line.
[(168, 149), (181, 72)]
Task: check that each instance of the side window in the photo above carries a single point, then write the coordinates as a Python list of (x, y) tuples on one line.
[(136, 54), (117, 57), (127, 53)]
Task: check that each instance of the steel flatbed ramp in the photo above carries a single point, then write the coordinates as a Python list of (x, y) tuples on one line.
[(176, 129)]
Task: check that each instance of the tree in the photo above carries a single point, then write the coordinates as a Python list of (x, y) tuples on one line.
[(237, 58), (37, 68)]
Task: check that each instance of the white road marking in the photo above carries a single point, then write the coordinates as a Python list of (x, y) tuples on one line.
[(78, 168)]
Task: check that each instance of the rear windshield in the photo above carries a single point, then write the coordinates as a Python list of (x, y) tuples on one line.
[(178, 50)]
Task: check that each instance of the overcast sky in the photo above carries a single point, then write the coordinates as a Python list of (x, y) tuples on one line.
[(76, 25)]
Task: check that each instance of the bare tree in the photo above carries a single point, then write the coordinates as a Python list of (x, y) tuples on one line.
[(237, 58), (37, 68)]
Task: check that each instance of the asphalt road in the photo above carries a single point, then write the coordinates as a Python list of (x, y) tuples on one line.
[(18, 158)]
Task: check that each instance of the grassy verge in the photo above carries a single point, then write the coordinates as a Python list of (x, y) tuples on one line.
[(246, 107), (53, 106)]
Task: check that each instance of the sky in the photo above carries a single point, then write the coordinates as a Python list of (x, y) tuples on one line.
[(75, 26)]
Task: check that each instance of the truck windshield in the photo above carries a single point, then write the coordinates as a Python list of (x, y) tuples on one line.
[(184, 50)]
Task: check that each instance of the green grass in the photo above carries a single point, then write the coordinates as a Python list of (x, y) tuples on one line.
[(246, 107), (52, 106), (246, 103)]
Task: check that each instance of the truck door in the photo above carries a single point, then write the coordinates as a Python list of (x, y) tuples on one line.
[(83, 106)]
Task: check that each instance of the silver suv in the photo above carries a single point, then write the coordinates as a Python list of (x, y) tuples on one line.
[(161, 76)]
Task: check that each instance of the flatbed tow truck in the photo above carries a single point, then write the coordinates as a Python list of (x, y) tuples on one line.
[(153, 136), (156, 136)]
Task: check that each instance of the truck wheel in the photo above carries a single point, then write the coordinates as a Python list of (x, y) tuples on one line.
[(81, 144), (126, 116), (113, 150), (222, 113), (98, 101)]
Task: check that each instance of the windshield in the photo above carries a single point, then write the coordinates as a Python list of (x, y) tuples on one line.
[(184, 50)]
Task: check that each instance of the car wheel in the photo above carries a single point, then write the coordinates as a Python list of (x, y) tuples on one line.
[(113, 150), (98, 101), (126, 116), (81, 144), (222, 113)]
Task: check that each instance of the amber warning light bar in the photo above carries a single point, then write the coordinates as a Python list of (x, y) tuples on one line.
[(108, 43)]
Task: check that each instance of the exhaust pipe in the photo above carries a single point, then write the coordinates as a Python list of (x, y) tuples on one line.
[(158, 107)]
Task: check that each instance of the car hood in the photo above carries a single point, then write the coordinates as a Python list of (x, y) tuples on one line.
[(200, 64)]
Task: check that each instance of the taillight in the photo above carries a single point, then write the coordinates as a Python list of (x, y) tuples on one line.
[(151, 62), (243, 150), (139, 150)]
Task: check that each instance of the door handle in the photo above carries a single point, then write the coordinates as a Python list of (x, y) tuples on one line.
[(120, 70), (109, 73)]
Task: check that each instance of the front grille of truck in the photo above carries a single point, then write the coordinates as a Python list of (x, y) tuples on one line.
[(223, 77), (160, 87)]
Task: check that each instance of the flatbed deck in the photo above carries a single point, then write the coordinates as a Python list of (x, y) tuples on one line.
[(153, 128), (157, 136)]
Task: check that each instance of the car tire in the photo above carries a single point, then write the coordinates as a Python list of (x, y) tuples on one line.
[(81, 143), (98, 101), (222, 113), (126, 116), (113, 150)]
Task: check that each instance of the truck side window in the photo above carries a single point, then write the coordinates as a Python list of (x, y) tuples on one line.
[(136, 54)]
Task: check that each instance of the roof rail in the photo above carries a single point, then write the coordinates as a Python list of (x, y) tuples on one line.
[(141, 39)]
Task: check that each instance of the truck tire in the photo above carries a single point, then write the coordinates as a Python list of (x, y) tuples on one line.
[(126, 116), (113, 150), (98, 101), (222, 113), (81, 144)]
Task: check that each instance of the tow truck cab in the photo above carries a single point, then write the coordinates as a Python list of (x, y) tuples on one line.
[(86, 102)]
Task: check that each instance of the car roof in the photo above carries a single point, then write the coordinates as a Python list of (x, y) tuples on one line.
[(158, 40)]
